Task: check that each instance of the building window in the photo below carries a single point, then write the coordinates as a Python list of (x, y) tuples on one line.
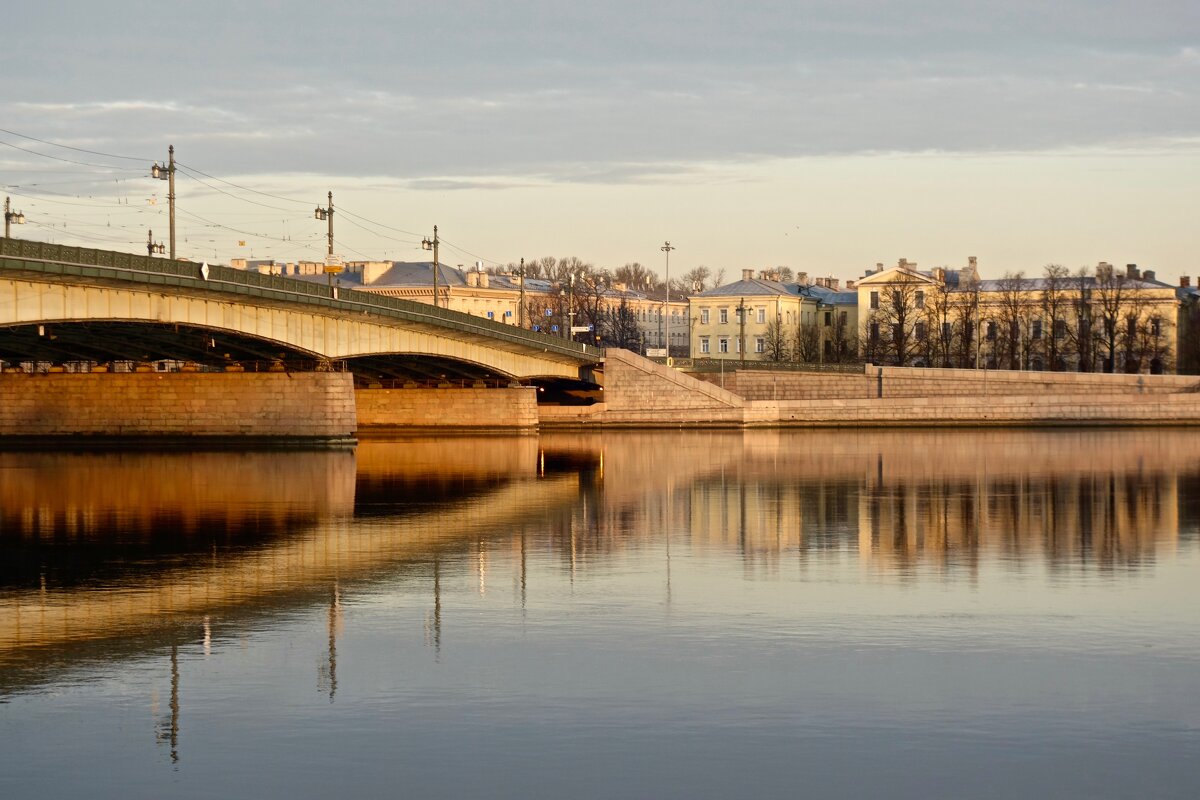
[(1131, 327), (828, 318), (704, 345), (921, 331), (1037, 329), (920, 299), (947, 328), (874, 332), (704, 316), (991, 331), (1060, 328), (723, 345), (759, 344), (723, 316), (762, 316), (874, 299), (1155, 326)]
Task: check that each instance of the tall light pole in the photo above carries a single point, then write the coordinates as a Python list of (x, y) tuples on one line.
[(569, 333), (666, 248), (152, 247), (521, 307), (432, 244), (326, 213), (167, 174), (11, 216)]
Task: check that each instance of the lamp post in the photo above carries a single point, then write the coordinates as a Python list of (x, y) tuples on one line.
[(432, 244), (521, 306), (167, 174), (11, 216), (663, 325), (152, 247), (326, 213), (568, 333)]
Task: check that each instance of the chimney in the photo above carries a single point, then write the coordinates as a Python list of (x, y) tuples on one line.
[(618, 286), (483, 279), (1184, 281), (473, 279), (972, 262), (833, 283), (878, 267), (849, 285), (939, 274), (747, 274), (1148, 275), (1131, 271)]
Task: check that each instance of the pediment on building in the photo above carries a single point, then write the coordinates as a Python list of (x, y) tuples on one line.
[(895, 275)]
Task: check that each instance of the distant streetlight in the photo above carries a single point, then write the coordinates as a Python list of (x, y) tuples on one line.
[(11, 216), (521, 307), (331, 263), (167, 174), (666, 248), (432, 244), (153, 247)]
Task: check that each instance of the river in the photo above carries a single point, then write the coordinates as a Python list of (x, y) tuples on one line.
[(901, 614)]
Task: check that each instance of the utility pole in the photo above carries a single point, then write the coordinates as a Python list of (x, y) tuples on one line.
[(428, 244), (521, 307), (330, 263), (742, 330), (11, 216), (167, 174), (152, 247), (666, 248), (568, 333)]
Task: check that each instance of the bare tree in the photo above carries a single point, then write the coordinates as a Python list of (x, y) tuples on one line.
[(1112, 299), (1081, 337), (1055, 305), (806, 342), (775, 341), (620, 328), (900, 309), (964, 314), (697, 280)]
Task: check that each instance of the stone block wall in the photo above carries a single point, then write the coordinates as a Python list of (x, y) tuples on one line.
[(380, 410), (178, 405), (899, 382)]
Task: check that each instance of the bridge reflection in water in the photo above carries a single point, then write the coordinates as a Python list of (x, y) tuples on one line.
[(102, 545), (108, 557)]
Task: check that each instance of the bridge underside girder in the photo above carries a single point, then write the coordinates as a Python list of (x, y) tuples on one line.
[(105, 342)]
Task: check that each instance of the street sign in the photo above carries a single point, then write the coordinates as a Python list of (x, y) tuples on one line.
[(580, 328), (333, 264), (656, 352)]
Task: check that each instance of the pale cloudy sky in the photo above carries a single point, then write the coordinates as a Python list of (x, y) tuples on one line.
[(821, 135)]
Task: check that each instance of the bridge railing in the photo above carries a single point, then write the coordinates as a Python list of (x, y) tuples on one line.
[(89, 261)]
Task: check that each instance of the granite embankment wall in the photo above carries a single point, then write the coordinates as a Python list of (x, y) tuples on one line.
[(639, 393), (896, 382), (178, 405), (381, 411)]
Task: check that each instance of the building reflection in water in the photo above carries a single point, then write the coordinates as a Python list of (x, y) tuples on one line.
[(111, 556)]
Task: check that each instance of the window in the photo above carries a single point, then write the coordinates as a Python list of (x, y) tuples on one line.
[(874, 299), (704, 316), (874, 332), (723, 317), (921, 331), (723, 345), (1060, 328), (762, 317), (1155, 326), (920, 299), (737, 345), (828, 318), (1037, 329), (759, 344), (1131, 327), (704, 345), (991, 331), (947, 328)]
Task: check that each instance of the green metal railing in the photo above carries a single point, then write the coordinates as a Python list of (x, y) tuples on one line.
[(21, 254)]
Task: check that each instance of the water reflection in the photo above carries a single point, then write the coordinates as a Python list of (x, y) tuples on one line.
[(123, 558)]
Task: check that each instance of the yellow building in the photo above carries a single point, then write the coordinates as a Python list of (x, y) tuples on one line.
[(762, 319), (1103, 319)]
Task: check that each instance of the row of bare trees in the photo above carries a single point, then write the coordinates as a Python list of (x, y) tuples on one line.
[(1087, 320), (633, 275), (812, 342)]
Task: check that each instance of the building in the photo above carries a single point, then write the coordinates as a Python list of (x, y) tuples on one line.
[(1101, 320), (760, 318)]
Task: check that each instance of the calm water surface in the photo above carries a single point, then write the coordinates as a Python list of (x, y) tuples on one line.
[(767, 614)]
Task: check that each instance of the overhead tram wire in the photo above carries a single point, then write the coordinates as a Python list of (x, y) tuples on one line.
[(179, 165), (69, 147), (69, 160), (186, 171)]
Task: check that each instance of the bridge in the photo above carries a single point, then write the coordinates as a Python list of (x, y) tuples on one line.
[(68, 304)]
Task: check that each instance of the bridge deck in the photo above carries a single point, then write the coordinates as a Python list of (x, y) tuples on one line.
[(111, 266)]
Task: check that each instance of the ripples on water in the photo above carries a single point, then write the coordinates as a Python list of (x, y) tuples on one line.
[(900, 614)]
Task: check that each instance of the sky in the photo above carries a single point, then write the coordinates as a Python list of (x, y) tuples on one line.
[(824, 136)]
